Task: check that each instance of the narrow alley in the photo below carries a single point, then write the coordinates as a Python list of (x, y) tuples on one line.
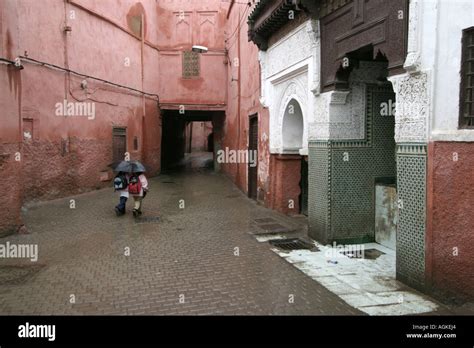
[(181, 261), (226, 157)]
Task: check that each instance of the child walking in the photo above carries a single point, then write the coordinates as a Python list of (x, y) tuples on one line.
[(121, 186), (138, 188)]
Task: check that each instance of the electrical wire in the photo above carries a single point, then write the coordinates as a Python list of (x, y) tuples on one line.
[(31, 60), (241, 22), (239, 26), (229, 46), (7, 61)]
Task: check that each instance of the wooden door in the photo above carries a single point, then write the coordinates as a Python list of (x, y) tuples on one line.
[(119, 144), (253, 146)]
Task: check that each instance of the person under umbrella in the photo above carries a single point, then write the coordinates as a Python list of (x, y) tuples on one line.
[(130, 180), (121, 182), (138, 188)]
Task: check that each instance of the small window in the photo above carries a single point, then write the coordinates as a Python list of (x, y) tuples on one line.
[(191, 64), (466, 117)]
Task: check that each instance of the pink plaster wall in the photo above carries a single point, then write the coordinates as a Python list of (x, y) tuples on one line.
[(68, 155), (243, 101), (10, 106), (197, 138), (181, 25), (100, 43)]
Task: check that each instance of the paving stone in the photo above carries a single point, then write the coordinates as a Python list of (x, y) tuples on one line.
[(82, 252)]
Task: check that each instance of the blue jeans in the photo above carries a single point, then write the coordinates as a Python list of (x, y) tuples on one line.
[(122, 204)]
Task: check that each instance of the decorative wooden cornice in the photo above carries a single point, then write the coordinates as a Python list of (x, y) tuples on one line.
[(268, 16)]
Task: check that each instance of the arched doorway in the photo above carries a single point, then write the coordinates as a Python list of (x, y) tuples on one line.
[(292, 133), (293, 127)]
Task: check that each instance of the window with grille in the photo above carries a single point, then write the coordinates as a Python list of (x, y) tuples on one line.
[(466, 117), (191, 64)]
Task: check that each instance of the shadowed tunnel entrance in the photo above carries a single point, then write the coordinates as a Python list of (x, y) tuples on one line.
[(190, 139)]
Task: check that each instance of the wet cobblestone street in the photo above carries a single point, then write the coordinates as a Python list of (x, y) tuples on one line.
[(181, 261)]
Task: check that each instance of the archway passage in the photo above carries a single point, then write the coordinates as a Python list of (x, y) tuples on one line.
[(198, 136), (188, 139), (293, 127)]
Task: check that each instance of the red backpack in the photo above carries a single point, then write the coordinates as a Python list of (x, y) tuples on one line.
[(134, 185)]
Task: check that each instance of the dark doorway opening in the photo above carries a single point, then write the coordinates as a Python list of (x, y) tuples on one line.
[(187, 137), (304, 187), (172, 141), (210, 142), (253, 148)]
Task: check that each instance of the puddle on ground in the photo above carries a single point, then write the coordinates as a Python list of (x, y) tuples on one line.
[(18, 274)]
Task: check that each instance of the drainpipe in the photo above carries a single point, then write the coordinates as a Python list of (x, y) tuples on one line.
[(239, 87), (230, 8), (191, 125), (67, 77)]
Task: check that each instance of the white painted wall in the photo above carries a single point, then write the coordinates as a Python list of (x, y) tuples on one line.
[(453, 17), (428, 95), (290, 70)]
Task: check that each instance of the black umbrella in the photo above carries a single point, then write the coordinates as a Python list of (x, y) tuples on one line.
[(130, 167), (137, 167), (124, 166)]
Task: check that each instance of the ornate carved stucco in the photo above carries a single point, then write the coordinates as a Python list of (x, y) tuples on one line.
[(319, 129), (412, 107), (340, 115), (292, 49), (293, 88), (348, 119), (290, 70)]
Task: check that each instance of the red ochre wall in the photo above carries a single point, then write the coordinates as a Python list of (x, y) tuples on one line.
[(243, 101), (198, 136), (69, 155), (285, 179), (450, 221), (182, 24), (278, 176), (10, 106)]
